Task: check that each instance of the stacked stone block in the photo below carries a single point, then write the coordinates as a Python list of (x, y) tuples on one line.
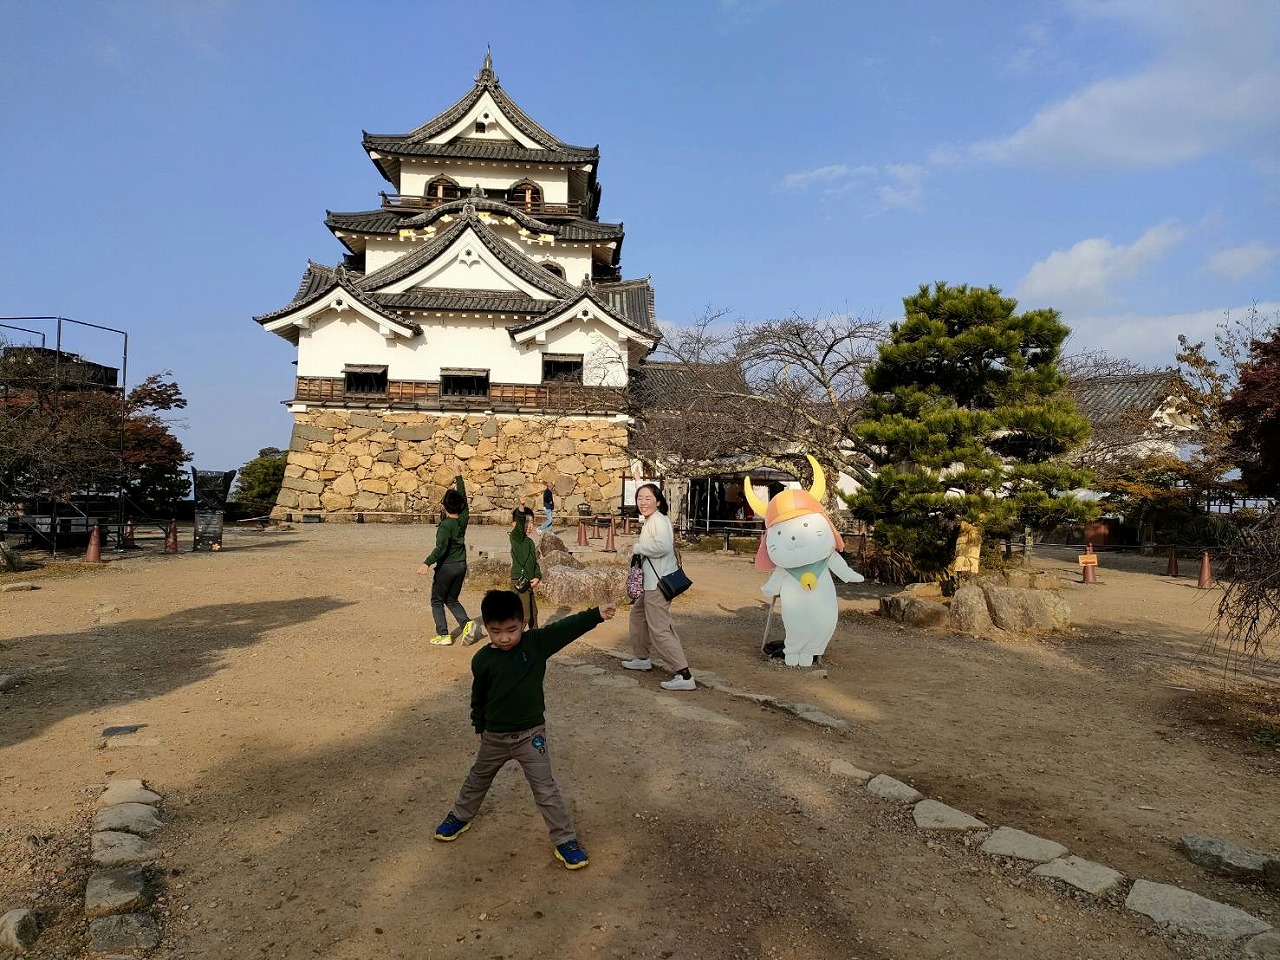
[(345, 464)]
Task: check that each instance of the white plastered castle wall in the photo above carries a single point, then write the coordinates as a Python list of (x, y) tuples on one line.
[(454, 342), (498, 127), (416, 174), (574, 260)]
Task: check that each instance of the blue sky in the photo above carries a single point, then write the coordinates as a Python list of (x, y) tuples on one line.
[(165, 166)]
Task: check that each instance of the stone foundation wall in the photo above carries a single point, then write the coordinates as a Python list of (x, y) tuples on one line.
[(349, 465)]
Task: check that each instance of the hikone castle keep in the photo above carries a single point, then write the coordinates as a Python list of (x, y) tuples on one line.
[(479, 314)]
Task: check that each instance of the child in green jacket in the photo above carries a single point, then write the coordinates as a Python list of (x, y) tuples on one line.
[(508, 712), (525, 572), (450, 558)]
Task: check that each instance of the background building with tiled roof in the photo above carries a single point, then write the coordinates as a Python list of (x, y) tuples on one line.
[(479, 316)]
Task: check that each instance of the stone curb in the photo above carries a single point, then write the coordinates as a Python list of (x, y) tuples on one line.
[(125, 812), (1169, 906)]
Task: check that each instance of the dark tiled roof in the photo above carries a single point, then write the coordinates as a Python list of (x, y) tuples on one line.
[(1105, 398), (464, 301), (478, 149), (314, 286), (486, 81), (365, 221), (588, 293), (414, 143), (516, 262), (675, 385), (632, 299)]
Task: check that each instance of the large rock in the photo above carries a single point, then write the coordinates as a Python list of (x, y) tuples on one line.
[(17, 931), (10, 562), (933, 815), (1008, 842), (843, 768), (1223, 856), (112, 848), (126, 791), (582, 587), (550, 543), (887, 788), (1191, 912), (1092, 878), (1026, 611), (115, 891), (129, 932), (310, 434), (969, 612), (921, 612), (127, 818), (560, 558), (1265, 946)]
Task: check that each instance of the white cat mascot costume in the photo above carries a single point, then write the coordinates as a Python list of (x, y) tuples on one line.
[(801, 546)]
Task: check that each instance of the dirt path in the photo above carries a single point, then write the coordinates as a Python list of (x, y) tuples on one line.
[(307, 740)]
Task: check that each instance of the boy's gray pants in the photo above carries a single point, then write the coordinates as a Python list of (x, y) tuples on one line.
[(535, 759)]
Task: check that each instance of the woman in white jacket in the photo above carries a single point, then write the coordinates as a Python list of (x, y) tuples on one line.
[(652, 632)]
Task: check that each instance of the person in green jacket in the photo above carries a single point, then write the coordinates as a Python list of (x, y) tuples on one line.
[(508, 708), (450, 559), (525, 572)]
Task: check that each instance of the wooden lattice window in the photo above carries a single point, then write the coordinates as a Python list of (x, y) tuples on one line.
[(561, 368), (364, 380), (464, 383)]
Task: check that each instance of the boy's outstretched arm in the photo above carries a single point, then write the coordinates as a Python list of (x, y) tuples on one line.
[(547, 640)]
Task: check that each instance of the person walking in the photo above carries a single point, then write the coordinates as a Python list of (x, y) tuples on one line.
[(650, 626), (548, 507), (450, 559)]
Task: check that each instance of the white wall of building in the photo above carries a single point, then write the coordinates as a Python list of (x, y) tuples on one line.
[(416, 174), (498, 126), (452, 269), (337, 339)]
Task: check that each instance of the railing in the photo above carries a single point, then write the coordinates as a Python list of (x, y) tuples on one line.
[(426, 393), (400, 201)]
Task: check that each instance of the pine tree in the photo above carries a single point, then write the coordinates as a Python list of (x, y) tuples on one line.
[(967, 420)]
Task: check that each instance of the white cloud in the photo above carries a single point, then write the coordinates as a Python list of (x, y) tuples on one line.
[(1153, 339), (1213, 85), (807, 178), (905, 187), (1084, 276), (1241, 262)]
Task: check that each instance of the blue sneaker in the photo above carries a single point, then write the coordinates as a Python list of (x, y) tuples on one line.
[(451, 828), (570, 854)]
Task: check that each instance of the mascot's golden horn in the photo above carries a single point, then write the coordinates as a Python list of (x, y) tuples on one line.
[(818, 491)]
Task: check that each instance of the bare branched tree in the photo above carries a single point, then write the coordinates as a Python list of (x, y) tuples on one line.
[(769, 390), (1248, 617)]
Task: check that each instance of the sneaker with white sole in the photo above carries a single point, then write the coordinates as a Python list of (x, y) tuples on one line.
[(442, 640), (640, 663), (679, 683)]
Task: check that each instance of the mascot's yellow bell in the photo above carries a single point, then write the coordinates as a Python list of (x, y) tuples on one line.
[(809, 580)]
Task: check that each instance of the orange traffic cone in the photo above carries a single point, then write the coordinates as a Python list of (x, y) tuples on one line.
[(94, 553), (582, 533), (1089, 571), (608, 539), (1172, 569), (126, 538), (171, 537), (1206, 575)]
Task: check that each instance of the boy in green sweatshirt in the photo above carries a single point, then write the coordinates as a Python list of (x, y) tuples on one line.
[(507, 711), (450, 558)]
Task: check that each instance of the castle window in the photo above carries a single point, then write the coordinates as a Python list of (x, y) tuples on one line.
[(525, 194), (464, 383), (443, 189), (561, 368), (364, 380), (480, 126), (552, 267)]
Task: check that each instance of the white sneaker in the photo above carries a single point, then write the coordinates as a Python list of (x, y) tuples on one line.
[(638, 664), (679, 683)]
